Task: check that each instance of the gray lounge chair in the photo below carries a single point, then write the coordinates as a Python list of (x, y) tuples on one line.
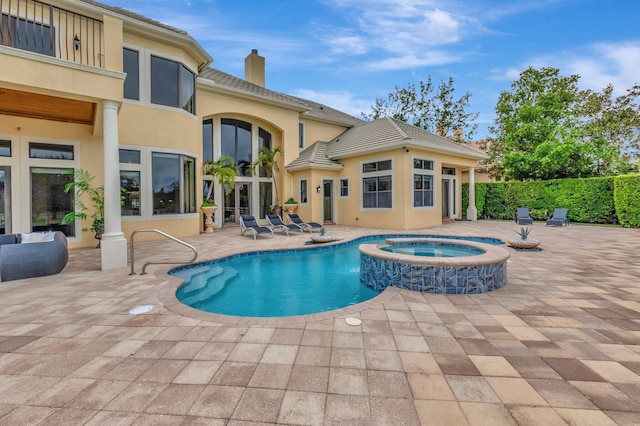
[(523, 217), (295, 218), (249, 223), (559, 218), (276, 222)]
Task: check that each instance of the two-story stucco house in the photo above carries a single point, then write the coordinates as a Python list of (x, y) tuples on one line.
[(136, 103)]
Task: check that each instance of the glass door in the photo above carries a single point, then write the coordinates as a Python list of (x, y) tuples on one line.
[(445, 198), (327, 201), (49, 201), (5, 200), (237, 202)]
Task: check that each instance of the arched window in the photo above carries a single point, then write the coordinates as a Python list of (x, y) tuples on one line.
[(236, 143)]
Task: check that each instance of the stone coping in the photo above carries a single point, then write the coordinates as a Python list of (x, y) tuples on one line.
[(492, 254)]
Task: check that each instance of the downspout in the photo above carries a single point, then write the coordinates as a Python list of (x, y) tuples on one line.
[(291, 176)]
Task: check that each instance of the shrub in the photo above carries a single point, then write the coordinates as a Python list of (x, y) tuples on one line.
[(627, 200)]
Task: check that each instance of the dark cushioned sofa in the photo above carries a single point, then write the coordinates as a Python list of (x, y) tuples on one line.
[(35, 259)]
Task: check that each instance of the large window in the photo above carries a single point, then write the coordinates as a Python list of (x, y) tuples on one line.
[(131, 66), (173, 182), (26, 35), (377, 185), (236, 143), (172, 84), (422, 190), (207, 140), (264, 141), (423, 182)]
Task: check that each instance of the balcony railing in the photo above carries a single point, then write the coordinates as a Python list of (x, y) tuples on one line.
[(48, 30)]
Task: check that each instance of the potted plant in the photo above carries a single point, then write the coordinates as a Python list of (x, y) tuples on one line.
[(322, 237), (82, 184), (524, 242), (267, 160), (291, 205), (224, 171)]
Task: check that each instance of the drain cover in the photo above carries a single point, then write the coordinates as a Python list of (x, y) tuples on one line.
[(140, 309), (353, 321)]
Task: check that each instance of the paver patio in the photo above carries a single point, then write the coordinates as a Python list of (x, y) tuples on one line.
[(559, 344)]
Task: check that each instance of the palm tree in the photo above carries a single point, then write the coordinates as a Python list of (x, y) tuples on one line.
[(267, 159), (224, 169), (81, 185)]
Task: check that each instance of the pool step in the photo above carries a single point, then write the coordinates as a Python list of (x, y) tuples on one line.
[(205, 284)]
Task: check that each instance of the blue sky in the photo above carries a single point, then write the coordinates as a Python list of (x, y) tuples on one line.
[(345, 53)]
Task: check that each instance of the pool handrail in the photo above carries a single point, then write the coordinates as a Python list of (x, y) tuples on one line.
[(144, 267)]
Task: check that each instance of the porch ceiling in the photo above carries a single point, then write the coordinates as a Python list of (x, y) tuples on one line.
[(45, 107)]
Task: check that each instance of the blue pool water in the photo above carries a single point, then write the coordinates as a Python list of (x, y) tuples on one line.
[(283, 283), (433, 249)]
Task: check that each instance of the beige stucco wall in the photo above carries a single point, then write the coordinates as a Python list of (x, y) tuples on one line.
[(402, 216)]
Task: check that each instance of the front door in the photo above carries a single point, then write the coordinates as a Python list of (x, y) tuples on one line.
[(448, 198), (237, 202), (327, 201)]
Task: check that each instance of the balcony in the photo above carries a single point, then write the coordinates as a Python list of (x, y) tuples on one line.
[(48, 30)]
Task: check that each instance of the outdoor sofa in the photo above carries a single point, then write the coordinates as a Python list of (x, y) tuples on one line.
[(32, 255)]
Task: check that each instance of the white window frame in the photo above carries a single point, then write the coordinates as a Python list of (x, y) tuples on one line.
[(302, 140), (27, 163), (306, 181), (144, 62), (424, 172), (146, 181), (340, 180), (379, 173)]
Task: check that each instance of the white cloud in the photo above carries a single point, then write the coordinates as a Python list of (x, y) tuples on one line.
[(344, 101), (597, 64), (429, 58)]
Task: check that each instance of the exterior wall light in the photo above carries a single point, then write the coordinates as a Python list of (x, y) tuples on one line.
[(76, 42), (318, 188)]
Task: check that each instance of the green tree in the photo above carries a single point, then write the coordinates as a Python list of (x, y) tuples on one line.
[(224, 170), (547, 128), (83, 185), (267, 160), (430, 108)]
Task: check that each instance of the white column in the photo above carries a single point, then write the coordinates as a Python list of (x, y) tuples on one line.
[(113, 244), (472, 213)]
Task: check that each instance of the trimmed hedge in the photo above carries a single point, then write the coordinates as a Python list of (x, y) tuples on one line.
[(589, 200), (627, 200)]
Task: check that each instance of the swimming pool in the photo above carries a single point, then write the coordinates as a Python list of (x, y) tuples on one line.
[(282, 283)]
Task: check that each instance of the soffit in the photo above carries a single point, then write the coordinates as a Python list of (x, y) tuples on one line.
[(45, 107)]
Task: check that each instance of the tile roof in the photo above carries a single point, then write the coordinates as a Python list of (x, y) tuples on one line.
[(224, 79), (314, 156), (386, 133), (311, 109), (136, 16)]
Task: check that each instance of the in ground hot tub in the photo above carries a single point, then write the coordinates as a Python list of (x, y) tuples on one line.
[(406, 263)]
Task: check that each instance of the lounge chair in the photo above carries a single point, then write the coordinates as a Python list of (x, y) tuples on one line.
[(523, 217), (295, 218), (249, 223), (276, 223), (559, 218)]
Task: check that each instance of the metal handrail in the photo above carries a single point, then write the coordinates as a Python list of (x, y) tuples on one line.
[(144, 267)]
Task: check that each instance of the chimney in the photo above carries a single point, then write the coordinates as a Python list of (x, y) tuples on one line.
[(254, 68), (458, 135)]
